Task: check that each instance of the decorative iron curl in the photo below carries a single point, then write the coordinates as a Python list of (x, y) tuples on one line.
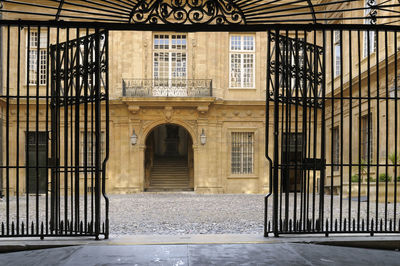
[(373, 13), (220, 12)]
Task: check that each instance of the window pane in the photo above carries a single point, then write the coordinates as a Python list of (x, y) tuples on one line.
[(43, 66), (179, 42), (161, 42), (33, 57), (178, 66), (337, 59), (161, 66), (235, 43), (32, 66), (235, 73), (33, 40), (248, 68), (248, 43)]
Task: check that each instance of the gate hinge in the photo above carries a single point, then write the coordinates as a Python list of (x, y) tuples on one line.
[(314, 164)]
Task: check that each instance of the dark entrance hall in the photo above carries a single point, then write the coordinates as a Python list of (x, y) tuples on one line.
[(169, 159)]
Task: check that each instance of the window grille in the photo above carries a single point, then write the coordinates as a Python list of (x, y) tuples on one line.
[(335, 147), (91, 148), (34, 58), (366, 138), (242, 152), (242, 61)]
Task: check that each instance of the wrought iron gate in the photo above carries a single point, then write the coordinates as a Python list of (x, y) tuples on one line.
[(56, 104), (333, 120)]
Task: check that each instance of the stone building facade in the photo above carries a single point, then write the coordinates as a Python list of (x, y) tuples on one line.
[(187, 110)]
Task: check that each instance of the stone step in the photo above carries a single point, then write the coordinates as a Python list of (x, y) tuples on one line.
[(155, 170), (169, 173), (170, 185), (152, 189), (164, 175), (170, 180)]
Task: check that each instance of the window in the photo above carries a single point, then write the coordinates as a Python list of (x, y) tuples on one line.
[(34, 58), (335, 148), (242, 153), (366, 137), (369, 36), (170, 59), (242, 61), (91, 148), (337, 41)]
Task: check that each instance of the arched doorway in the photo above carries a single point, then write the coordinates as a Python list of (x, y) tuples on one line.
[(169, 159)]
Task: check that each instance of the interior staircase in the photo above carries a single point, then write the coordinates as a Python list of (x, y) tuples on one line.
[(169, 174)]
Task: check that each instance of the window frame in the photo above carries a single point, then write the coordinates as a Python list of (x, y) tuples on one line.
[(43, 50), (337, 41), (242, 52), (170, 51), (252, 169)]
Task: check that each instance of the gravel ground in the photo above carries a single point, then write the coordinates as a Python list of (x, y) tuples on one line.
[(190, 213), (186, 213)]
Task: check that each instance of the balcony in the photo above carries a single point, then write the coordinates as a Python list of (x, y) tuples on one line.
[(166, 88)]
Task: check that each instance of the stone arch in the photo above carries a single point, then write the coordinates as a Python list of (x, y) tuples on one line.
[(149, 128), (180, 174)]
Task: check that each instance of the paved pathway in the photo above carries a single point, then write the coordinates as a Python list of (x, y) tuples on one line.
[(221, 254)]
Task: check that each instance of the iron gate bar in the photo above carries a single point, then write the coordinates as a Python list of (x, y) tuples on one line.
[(37, 218), (378, 217), (198, 28), (306, 127)]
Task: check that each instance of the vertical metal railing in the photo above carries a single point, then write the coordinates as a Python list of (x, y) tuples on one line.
[(56, 130), (317, 82)]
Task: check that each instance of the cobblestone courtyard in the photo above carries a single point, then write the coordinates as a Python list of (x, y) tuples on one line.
[(186, 213)]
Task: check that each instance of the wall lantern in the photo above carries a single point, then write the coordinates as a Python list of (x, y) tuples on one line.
[(203, 137), (133, 138)]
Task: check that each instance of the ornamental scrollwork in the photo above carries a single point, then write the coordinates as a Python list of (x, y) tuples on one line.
[(372, 14), (220, 12)]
